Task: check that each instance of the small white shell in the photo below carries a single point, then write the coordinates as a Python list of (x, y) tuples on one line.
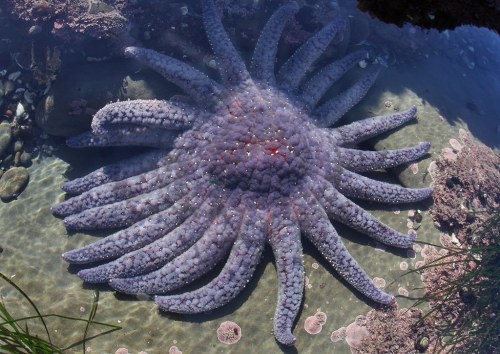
[(19, 109)]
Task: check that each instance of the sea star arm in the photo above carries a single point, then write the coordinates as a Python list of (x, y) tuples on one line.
[(126, 135), (367, 128), (284, 238), (195, 83), (129, 211), (148, 113), (362, 161), (116, 172), (357, 186), (120, 190), (138, 235), (235, 275), (264, 55), (231, 67), (318, 229), (317, 86), (331, 111), (200, 258), (294, 69), (158, 253), (342, 209)]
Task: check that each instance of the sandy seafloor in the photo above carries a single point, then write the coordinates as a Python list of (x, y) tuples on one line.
[(32, 239)]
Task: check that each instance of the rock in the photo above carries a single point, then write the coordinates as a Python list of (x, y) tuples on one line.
[(25, 158), (13, 183), (8, 88), (6, 161), (18, 145), (84, 88), (17, 159), (5, 136)]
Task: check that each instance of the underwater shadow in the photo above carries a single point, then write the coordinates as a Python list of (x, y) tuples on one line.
[(460, 95)]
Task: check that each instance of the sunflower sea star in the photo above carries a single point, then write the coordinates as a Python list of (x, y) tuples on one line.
[(252, 162)]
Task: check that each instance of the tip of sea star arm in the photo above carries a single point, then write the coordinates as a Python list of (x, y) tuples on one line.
[(72, 257), (131, 51), (379, 296), (93, 275), (426, 145), (285, 337), (58, 209)]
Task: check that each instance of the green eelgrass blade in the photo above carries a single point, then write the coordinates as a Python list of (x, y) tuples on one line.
[(31, 303), (16, 339), (472, 331), (112, 328), (92, 313)]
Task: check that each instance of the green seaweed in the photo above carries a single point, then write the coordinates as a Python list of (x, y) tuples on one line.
[(477, 328), (15, 335)]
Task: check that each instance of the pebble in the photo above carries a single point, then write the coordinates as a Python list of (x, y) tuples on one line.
[(25, 158), (34, 30), (5, 136), (14, 76), (8, 88), (17, 159), (13, 182), (19, 109), (18, 145)]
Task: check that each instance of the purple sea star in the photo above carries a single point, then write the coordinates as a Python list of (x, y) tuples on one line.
[(253, 162)]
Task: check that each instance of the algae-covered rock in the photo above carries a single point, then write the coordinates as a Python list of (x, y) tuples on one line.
[(13, 182), (82, 90)]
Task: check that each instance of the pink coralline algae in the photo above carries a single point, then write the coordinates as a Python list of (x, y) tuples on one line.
[(229, 332), (174, 350), (320, 317), (414, 168), (355, 335), (312, 325), (403, 292), (465, 187), (379, 282), (388, 330), (455, 144), (338, 334), (417, 248)]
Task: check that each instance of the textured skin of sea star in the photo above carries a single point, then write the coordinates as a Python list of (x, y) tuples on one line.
[(252, 161)]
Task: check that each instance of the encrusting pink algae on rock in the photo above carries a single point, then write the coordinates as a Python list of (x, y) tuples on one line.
[(229, 332)]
